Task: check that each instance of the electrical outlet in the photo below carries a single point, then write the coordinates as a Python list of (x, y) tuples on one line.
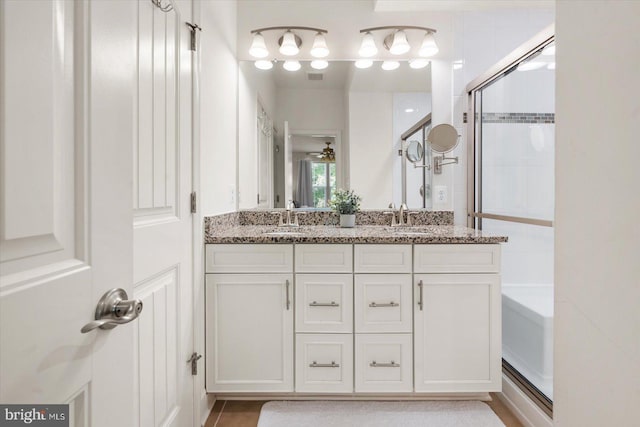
[(441, 193)]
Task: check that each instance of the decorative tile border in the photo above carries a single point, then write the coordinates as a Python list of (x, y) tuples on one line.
[(515, 118)]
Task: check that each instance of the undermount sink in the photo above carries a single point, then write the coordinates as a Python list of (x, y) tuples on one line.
[(411, 233), (283, 233)]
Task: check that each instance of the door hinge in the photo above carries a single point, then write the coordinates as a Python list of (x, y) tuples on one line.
[(194, 362), (194, 202), (194, 37)]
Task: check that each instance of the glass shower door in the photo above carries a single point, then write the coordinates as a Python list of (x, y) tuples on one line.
[(514, 196)]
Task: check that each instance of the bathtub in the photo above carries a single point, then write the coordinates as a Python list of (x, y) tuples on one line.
[(527, 332)]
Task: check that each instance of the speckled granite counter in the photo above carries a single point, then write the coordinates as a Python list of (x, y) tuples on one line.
[(434, 234)]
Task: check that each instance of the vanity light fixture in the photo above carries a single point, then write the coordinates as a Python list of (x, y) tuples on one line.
[(319, 64), (258, 47), (368, 47), (396, 42), (418, 63), (390, 65), (291, 65), (289, 42), (363, 63), (429, 46), (263, 64)]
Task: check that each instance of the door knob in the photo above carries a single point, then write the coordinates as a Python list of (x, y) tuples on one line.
[(114, 309)]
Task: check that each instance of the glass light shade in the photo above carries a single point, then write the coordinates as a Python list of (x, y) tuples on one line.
[(429, 46), (368, 47), (390, 65), (364, 63), (419, 63), (289, 46), (400, 44), (258, 47), (263, 64), (291, 65), (319, 48), (319, 64)]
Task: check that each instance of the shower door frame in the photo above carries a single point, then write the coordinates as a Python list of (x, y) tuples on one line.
[(474, 175)]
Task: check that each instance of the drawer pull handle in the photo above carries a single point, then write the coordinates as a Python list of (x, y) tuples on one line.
[(393, 364), (288, 300), (420, 301), (390, 304), (324, 304), (324, 365)]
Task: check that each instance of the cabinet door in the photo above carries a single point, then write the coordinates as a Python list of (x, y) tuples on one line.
[(249, 332), (457, 332), (324, 303)]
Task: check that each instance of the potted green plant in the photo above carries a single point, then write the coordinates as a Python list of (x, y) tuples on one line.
[(346, 203)]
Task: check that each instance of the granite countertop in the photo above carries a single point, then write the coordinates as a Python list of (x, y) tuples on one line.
[(434, 234)]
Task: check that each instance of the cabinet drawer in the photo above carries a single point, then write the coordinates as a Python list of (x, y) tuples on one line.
[(324, 259), (456, 258), (384, 363), (324, 363), (324, 303), (383, 303), (382, 258), (253, 258)]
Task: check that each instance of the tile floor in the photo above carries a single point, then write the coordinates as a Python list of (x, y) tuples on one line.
[(244, 413)]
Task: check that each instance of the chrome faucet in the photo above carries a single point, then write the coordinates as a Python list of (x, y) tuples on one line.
[(401, 212), (291, 220)]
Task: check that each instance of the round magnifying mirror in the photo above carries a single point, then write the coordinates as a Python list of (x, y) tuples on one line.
[(414, 151), (443, 138)]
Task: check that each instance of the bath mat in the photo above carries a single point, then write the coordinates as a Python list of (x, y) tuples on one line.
[(378, 414)]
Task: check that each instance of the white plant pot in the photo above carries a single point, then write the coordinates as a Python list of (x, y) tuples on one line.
[(347, 221)]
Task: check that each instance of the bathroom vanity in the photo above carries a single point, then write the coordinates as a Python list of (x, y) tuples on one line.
[(368, 311)]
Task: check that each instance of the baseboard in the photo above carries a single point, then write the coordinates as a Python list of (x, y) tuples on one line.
[(529, 414), (353, 396), (206, 405)]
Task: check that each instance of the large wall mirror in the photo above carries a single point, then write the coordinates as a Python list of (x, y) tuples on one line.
[(304, 133)]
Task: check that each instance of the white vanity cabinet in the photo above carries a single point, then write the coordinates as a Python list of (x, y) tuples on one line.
[(457, 323), (341, 319), (249, 318)]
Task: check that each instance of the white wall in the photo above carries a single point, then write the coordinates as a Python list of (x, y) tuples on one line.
[(371, 147), (597, 333), (218, 106)]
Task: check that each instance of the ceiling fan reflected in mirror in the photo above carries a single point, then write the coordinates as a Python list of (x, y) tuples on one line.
[(328, 155)]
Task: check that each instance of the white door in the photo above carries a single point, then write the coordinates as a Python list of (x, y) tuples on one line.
[(67, 76), (162, 220)]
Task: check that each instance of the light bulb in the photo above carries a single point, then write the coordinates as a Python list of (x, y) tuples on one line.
[(319, 49), (419, 63), (291, 65), (289, 46), (263, 64), (400, 44), (319, 64), (368, 47), (364, 63), (390, 65), (429, 46), (258, 47)]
